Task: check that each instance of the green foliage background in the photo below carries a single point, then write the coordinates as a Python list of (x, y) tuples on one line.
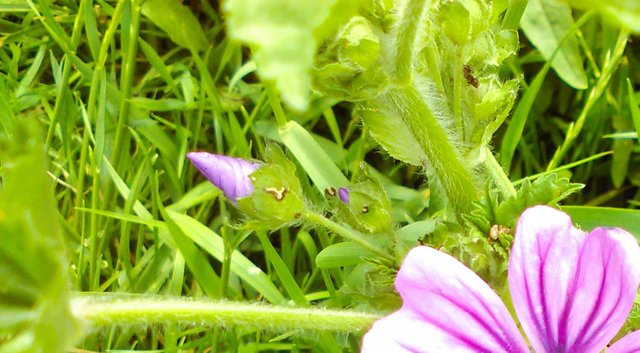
[(101, 100)]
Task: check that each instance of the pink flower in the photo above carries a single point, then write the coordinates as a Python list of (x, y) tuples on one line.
[(571, 290), (231, 175)]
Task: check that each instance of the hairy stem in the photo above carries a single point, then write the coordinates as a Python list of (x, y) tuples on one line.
[(444, 159), (498, 175), (406, 33), (100, 310), (346, 233)]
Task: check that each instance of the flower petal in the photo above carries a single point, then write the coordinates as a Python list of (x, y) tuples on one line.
[(627, 344), (231, 175), (446, 307), (572, 291), (343, 194)]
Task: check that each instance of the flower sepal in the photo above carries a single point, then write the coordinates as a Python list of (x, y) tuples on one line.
[(363, 205), (277, 199)]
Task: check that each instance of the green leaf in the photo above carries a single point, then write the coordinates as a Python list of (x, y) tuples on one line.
[(351, 67), (281, 36), (195, 259), (622, 148), (34, 299), (315, 161), (513, 135), (342, 254), (588, 217), (285, 275), (625, 12), (413, 232), (633, 108), (546, 23), (177, 21), (409, 236), (393, 135)]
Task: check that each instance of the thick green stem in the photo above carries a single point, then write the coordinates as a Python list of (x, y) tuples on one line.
[(444, 159), (405, 40), (100, 310), (346, 233)]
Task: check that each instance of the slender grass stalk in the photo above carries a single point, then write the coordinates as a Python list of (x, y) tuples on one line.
[(274, 99), (596, 92), (563, 167), (345, 233), (104, 310), (126, 80)]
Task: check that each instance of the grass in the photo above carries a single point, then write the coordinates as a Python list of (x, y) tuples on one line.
[(120, 104)]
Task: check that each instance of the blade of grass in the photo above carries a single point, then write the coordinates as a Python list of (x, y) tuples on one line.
[(288, 281), (591, 217), (517, 123), (633, 108), (212, 243), (611, 63), (312, 157)]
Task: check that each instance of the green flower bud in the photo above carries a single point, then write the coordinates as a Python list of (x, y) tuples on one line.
[(358, 44), (277, 199), (364, 205), (349, 66)]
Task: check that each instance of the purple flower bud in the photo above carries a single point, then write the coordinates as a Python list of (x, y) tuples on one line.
[(231, 175), (343, 194)]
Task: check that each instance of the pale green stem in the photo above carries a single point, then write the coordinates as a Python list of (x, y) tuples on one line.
[(405, 40), (100, 310), (126, 81), (346, 233), (498, 175), (514, 13), (278, 112), (458, 78)]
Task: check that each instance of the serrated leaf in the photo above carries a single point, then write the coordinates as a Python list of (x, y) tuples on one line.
[(280, 34), (546, 190), (390, 131), (177, 21), (546, 23)]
